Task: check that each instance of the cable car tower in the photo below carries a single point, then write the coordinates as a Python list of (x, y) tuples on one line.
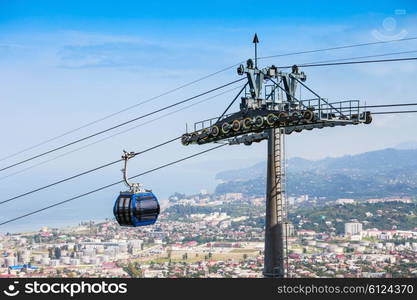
[(270, 109)]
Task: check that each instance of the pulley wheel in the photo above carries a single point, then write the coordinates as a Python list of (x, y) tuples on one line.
[(236, 125), (271, 119), (215, 130), (247, 123), (226, 128), (259, 121), (308, 115)]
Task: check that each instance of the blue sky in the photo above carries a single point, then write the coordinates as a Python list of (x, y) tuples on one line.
[(190, 10), (65, 63)]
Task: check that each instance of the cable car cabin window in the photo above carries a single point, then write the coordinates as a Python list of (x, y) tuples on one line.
[(148, 205), (127, 210), (146, 208), (147, 218), (124, 210), (120, 210)]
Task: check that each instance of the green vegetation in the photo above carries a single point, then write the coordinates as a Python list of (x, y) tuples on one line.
[(384, 216), (233, 209), (133, 270)]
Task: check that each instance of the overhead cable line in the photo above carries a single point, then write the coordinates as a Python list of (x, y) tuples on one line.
[(198, 80), (388, 105), (394, 112), (115, 183), (355, 57), (118, 133), (107, 186), (85, 172), (120, 125), (369, 106), (233, 101), (354, 62), (162, 144), (338, 47), (117, 113)]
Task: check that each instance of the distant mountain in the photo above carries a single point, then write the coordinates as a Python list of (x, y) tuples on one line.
[(388, 172), (407, 145), (254, 171)]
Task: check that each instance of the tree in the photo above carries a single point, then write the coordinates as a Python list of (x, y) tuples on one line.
[(133, 270)]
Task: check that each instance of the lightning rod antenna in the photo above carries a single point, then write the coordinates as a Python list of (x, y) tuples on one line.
[(256, 41)]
